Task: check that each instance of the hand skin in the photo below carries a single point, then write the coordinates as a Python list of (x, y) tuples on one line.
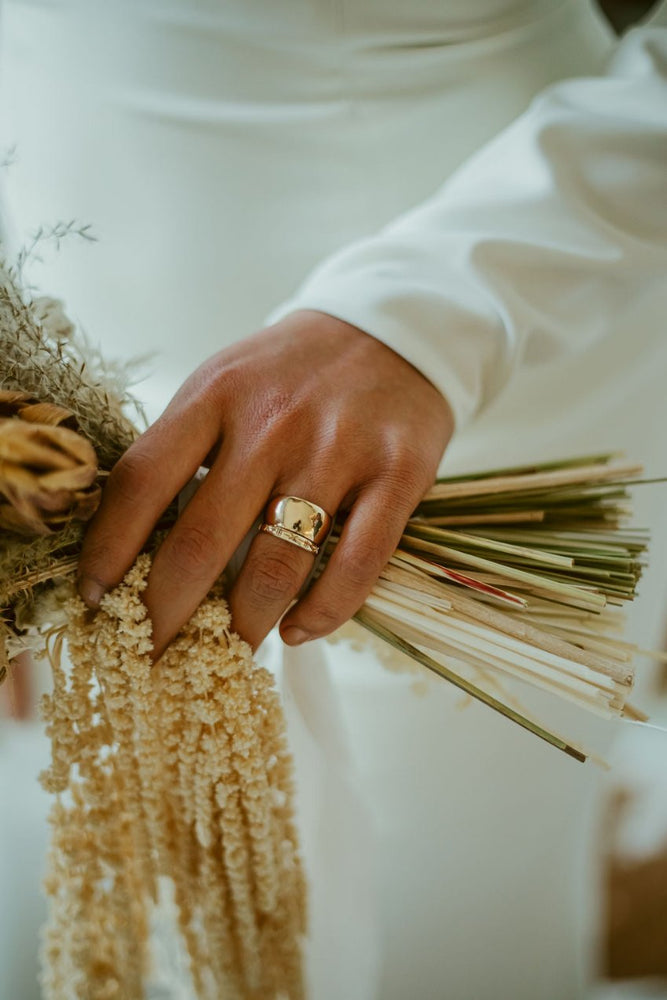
[(310, 407)]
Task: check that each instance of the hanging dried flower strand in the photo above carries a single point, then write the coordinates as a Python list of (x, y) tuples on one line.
[(178, 770)]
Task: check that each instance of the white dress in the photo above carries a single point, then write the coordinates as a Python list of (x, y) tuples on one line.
[(221, 150)]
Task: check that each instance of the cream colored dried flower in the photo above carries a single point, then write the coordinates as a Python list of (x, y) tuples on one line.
[(176, 770)]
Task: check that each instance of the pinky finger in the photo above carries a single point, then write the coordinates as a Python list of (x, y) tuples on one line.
[(369, 538)]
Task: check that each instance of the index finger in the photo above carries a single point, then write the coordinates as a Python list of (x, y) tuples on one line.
[(140, 487)]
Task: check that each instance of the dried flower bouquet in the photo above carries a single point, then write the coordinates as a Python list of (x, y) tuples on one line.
[(520, 571), (517, 573)]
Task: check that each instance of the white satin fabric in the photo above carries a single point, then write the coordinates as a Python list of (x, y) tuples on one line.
[(221, 151)]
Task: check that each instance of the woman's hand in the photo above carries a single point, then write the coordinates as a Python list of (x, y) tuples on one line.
[(311, 407)]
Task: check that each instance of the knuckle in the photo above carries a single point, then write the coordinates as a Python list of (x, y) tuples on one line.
[(133, 476), (322, 619), (331, 435), (405, 468), (94, 561), (361, 565), (219, 385), (272, 578), (191, 551), (403, 457)]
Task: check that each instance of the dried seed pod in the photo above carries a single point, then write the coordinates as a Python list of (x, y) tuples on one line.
[(47, 476), (26, 407)]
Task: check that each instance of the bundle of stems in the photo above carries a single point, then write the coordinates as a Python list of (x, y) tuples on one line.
[(520, 573)]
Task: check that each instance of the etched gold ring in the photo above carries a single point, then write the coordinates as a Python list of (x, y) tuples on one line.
[(297, 521)]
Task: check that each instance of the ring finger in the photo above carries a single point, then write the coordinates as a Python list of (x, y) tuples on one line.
[(276, 568)]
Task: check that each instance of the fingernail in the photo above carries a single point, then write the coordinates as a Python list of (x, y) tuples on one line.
[(90, 591), (295, 636)]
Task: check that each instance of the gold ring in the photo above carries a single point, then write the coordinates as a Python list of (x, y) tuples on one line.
[(290, 536), (297, 521)]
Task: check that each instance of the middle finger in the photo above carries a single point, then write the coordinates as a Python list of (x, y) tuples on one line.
[(203, 540)]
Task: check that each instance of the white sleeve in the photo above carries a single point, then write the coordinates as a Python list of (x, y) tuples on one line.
[(531, 246)]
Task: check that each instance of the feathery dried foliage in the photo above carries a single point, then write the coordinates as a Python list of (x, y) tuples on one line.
[(50, 364), (62, 427)]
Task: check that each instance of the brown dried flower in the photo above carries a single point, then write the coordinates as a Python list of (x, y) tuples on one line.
[(47, 471)]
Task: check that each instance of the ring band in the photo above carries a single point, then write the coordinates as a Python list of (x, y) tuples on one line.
[(297, 521), (290, 536)]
